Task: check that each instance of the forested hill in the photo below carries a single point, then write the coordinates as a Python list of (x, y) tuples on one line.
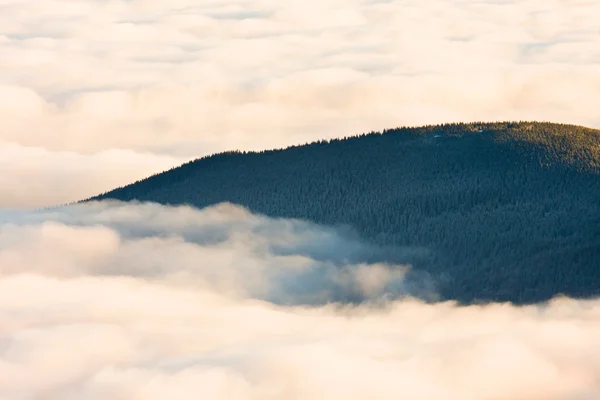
[(505, 211)]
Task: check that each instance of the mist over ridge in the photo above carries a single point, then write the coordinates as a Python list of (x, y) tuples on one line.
[(360, 200), (503, 211)]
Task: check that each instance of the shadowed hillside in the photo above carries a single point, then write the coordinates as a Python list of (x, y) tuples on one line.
[(501, 211)]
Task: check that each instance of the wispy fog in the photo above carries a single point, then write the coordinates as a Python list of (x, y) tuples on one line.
[(113, 301)]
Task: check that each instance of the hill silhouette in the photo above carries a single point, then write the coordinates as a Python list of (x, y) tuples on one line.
[(500, 211)]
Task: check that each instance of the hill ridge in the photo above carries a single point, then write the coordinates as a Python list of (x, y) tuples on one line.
[(414, 130), (502, 207)]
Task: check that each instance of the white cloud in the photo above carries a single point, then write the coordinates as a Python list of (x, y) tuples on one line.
[(36, 177), (142, 301), (187, 78)]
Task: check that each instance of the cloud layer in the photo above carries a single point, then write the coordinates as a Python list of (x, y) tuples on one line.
[(34, 176), (185, 78), (147, 302)]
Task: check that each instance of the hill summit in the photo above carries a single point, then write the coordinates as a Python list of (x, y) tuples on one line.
[(504, 211)]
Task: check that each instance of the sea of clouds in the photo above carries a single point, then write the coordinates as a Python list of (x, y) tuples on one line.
[(141, 301), (143, 85)]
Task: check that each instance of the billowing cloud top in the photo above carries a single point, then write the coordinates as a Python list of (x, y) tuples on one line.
[(113, 301), (174, 80)]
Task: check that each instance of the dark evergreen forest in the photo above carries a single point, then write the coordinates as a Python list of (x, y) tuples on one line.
[(503, 211)]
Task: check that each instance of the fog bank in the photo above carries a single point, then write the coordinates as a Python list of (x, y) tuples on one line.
[(108, 300)]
